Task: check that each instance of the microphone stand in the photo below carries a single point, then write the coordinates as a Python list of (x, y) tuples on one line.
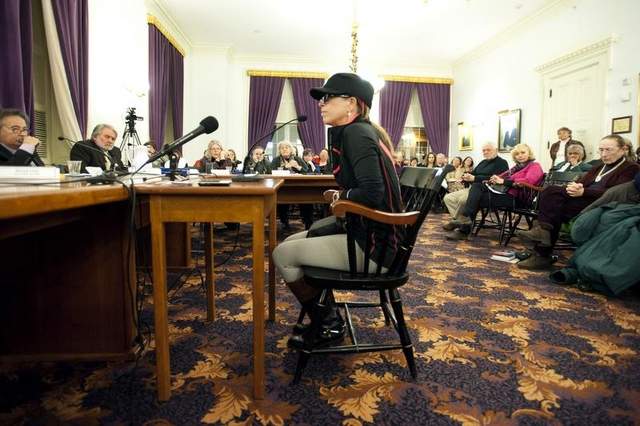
[(244, 177)]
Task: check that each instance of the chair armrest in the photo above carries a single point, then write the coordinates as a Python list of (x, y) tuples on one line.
[(341, 208), (528, 185)]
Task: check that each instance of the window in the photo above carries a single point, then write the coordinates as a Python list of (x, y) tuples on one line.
[(289, 132), (414, 142)]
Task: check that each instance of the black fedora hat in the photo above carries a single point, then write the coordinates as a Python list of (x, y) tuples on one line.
[(345, 84)]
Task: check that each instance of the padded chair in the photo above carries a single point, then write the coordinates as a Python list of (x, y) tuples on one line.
[(419, 187)]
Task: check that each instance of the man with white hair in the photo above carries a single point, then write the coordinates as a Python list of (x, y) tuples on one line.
[(99, 151), (491, 165)]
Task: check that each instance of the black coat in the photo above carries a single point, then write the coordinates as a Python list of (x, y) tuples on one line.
[(279, 161), (20, 158), (93, 156)]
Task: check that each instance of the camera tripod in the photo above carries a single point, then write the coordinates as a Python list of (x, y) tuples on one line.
[(130, 138)]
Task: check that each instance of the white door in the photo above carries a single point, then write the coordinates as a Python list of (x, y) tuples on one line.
[(574, 97)]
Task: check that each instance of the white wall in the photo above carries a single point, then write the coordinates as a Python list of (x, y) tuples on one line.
[(501, 75)]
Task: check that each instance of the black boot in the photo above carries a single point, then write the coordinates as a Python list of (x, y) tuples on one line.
[(327, 327)]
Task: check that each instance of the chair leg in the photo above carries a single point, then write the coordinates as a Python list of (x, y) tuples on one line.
[(383, 304), (405, 339), (303, 359)]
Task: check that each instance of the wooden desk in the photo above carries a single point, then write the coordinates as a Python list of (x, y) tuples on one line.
[(66, 279), (240, 202), (304, 189)]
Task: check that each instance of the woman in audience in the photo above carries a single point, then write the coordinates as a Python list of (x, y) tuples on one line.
[(454, 178), (399, 162), (288, 160), (363, 163), (231, 156), (574, 162), (307, 157), (413, 162), (501, 190), (259, 163), (559, 204), (430, 160), (323, 162), (213, 158), (628, 150), (467, 164)]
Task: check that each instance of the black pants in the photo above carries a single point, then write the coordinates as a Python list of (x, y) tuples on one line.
[(306, 213), (480, 197)]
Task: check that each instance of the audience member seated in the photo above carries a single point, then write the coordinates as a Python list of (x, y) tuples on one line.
[(574, 162), (414, 162), (17, 147), (608, 252), (491, 165), (398, 162), (323, 162), (99, 151), (287, 160), (258, 163), (441, 160), (559, 204), (151, 149), (486, 194), (230, 155), (467, 164), (307, 157), (213, 158), (558, 150), (430, 161), (628, 151), (454, 178)]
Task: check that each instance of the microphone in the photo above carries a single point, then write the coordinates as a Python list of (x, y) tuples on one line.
[(245, 165), (207, 125), (104, 153)]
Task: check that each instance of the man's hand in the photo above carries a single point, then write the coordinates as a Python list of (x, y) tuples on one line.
[(468, 177), (496, 180), (30, 140), (575, 189)]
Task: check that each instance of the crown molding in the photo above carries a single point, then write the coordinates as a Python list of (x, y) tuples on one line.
[(286, 74), (509, 33), (594, 49), (166, 17), (409, 79)]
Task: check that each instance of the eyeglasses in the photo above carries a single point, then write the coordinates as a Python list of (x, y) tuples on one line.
[(17, 129), (326, 98)]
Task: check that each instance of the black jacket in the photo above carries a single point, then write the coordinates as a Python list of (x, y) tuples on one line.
[(278, 162), (366, 173), (487, 168), (20, 158), (93, 156), (262, 167)]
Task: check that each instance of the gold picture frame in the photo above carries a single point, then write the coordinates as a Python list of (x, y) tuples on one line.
[(465, 137), (620, 125)]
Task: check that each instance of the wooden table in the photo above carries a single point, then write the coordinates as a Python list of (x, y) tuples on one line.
[(67, 283), (240, 202), (304, 189)]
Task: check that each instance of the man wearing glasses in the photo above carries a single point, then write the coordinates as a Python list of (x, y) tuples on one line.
[(17, 148)]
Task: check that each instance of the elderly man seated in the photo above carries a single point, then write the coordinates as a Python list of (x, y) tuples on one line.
[(560, 204)]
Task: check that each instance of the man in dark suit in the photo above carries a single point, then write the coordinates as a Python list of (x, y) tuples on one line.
[(100, 150), (509, 139), (17, 147)]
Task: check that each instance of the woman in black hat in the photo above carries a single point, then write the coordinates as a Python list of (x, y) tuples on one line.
[(363, 165)]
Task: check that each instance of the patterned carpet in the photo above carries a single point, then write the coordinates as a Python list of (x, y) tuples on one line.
[(495, 345)]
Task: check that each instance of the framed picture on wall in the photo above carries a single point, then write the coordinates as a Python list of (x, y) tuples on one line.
[(465, 137), (508, 129), (621, 125)]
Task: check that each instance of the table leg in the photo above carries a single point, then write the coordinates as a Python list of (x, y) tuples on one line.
[(273, 227), (160, 309), (258, 304), (209, 278)]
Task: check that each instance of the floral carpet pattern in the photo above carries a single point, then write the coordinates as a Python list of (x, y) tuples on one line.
[(494, 345)]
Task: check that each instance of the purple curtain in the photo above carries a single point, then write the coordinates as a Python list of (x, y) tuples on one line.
[(434, 103), (177, 91), (166, 73), (395, 97), (264, 100), (311, 131), (16, 82), (72, 22)]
